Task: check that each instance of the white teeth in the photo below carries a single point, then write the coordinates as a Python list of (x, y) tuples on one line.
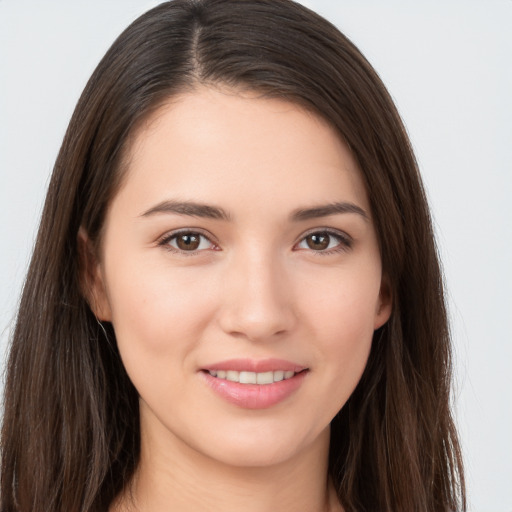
[(278, 375), (264, 378), (247, 378), (252, 377), (233, 376)]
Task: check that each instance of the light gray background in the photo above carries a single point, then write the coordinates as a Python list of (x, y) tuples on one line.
[(448, 65)]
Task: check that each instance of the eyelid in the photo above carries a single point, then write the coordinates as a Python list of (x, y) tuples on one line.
[(163, 241), (346, 241)]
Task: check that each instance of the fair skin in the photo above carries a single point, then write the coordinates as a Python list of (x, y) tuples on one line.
[(270, 274)]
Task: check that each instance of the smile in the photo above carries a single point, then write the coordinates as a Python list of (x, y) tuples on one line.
[(254, 384), (245, 377)]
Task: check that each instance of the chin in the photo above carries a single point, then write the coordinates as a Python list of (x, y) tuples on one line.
[(263, 447)]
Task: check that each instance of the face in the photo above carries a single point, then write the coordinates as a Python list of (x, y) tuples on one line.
[(240, 269)]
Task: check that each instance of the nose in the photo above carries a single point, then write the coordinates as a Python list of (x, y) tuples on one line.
[(258, 298)]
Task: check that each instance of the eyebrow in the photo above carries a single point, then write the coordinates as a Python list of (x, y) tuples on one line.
[(188, 208), (193, 209), (328, 209)]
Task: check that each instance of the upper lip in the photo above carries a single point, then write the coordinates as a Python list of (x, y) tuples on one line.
[(255, 365)]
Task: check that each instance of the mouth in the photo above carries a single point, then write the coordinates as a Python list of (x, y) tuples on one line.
[(246, 377), (254, 384)]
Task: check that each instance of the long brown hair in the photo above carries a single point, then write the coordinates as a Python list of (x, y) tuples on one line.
[(70, 435)]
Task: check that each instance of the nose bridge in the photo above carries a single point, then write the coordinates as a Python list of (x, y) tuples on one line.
[(257, 303)]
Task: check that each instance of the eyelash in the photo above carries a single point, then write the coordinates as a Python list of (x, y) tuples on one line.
[(169, 237), (344, 241)]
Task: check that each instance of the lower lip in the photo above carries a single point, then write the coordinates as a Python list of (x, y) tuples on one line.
[(254, 396)]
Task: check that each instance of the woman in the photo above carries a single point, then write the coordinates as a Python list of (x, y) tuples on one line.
[(234, 298)]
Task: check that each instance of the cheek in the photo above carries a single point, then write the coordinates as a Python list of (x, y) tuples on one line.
[(341, 319), (345, 333), (155, 311), (344, 304), (343, 348)]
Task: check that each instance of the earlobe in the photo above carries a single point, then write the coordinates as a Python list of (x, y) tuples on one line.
[(92, 282), (384, 304)]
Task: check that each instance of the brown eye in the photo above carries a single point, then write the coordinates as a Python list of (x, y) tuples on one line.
[(188, 241), (325, 241), (318, 241)]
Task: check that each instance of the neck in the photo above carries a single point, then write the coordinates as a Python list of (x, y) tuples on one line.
[(173, 476)]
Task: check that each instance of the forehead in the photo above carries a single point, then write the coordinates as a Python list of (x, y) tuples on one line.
[(220, 144)]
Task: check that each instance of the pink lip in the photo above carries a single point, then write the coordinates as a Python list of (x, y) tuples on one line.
[(252, 365), (255, 396)]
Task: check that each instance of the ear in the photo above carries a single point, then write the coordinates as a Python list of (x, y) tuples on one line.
[(384, 304), (92, 282)]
